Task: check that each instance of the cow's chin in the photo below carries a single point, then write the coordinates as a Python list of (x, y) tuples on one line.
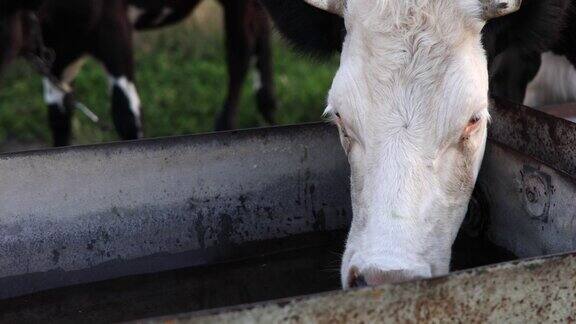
[(365, 270)]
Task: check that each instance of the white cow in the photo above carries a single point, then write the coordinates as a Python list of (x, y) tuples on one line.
[(411, 102)]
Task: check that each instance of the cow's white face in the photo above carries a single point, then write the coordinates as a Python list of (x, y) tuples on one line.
[(411, 102)]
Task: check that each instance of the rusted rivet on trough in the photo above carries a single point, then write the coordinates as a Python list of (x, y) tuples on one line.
[(536, 187)]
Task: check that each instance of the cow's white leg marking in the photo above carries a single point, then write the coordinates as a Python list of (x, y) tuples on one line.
[(555, 82), (54, 95), (256, 81), (129, 90), (256, 75)]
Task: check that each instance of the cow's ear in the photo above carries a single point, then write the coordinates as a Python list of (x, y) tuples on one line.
[(308, 28)]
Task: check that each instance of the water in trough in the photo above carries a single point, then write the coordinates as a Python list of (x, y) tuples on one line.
[(284, 273)]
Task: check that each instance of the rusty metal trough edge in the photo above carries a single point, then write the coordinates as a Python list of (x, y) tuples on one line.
[(542, 289), (534, 133)]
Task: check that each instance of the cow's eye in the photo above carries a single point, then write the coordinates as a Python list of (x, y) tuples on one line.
[(472, 126), (474, 120), (341, 125), (345, 138)]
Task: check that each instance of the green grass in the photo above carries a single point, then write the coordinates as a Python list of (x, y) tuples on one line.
[(181, 78)]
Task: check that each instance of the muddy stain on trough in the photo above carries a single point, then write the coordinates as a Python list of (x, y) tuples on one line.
[(200, 229), (226, 230)]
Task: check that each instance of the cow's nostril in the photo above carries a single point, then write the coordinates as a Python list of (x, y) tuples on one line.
[(372, 277), (358, 282)]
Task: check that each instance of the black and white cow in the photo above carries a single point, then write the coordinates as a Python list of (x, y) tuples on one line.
[(532, 53), (104, 28), (410, 100)]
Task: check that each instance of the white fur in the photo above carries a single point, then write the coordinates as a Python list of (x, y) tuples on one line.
[(412, 74), (554, 84), (256, 81), (53, 95), (130, 91)]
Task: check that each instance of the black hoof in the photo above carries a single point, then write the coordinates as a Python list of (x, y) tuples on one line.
[(266, 106), (223, 124)]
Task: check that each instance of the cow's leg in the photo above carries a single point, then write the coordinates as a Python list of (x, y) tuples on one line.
[(11, 38), (59, 97), (264, 84), (114, 49), (239, 49)]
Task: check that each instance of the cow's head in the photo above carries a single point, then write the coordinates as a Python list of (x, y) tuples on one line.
[(411, 102)]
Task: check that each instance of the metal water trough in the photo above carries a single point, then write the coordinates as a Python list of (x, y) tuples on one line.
[(138, 230)]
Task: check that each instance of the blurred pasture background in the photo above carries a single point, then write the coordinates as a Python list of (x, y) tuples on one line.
[(181, 78)]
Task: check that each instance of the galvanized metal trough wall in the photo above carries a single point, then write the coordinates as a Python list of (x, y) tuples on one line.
[(92, 213), (125, 217)]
